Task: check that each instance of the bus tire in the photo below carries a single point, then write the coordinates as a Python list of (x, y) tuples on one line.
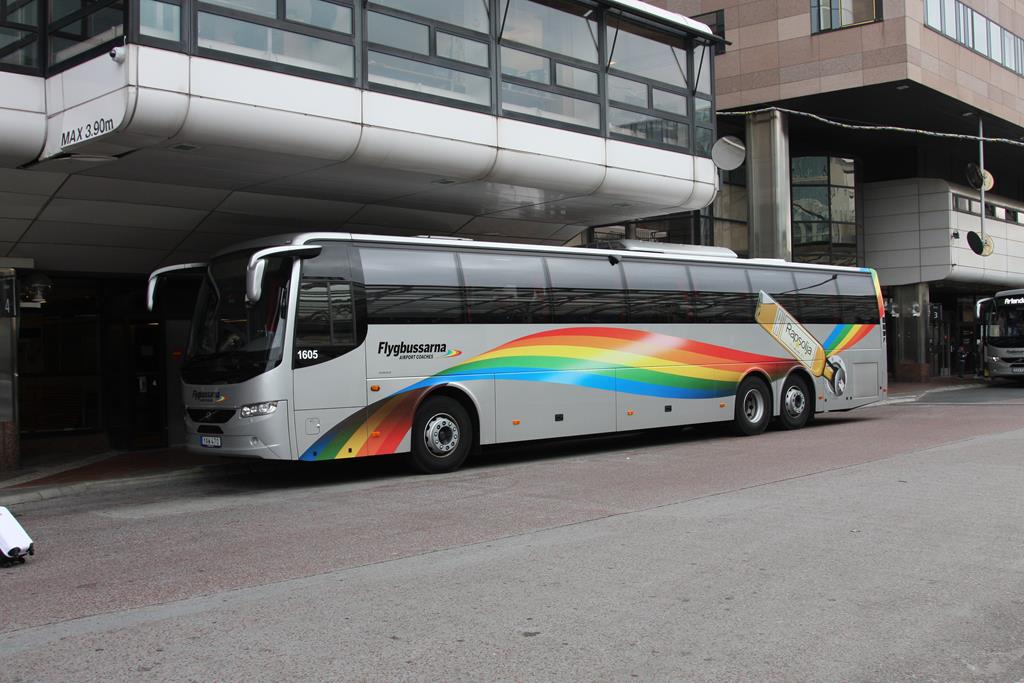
[(797, 403), (753, 406), (442, 436)]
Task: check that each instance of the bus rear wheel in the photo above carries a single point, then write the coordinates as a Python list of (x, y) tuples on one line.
[(753, 407), (442, 436), (796, 406)]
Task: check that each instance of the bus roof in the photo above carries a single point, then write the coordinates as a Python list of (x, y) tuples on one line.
[(713, 255)]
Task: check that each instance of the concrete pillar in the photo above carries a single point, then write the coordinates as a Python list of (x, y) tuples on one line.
[(768, 197), (910, 351)]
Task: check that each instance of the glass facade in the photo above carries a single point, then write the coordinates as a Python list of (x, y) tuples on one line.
[(824, 210), (974, 30), (571, 64)]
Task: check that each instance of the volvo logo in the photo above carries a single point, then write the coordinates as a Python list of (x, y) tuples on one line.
[(209, 396)]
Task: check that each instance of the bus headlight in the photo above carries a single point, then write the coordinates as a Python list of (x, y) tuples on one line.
[(258, 409), (994, 359)]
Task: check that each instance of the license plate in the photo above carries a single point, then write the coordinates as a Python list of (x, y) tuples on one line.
[(210, 441), (1017, 369)]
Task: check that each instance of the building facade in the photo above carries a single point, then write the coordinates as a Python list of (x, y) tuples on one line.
[(836, 102), (141, 133)]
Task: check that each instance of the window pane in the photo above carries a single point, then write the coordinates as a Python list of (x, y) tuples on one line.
[(843, 207), (26, 14), (94, 30), (665, 277), (318, 13), (702, 111), (949, 18), (771, 281), (525, 65), (647, 53), (818, 295), (462, 49), (274, 45), (324, 321), (861, 11), (627, 92), (548, 105), (809, 170), (505, 288), (811, 233), (810, 204), (703, 138), (555, 26), (995, 41), (722, 294), (264, 8), (658, 292), (159, 20), (471, 14), (577, 79), (670, 102), (844, 233), (980, 33), (841, 171), (702, 62), (407, 35), (428, 79), (24, 56), (647, 127), (932, 14), (587, 290), (411, 286)]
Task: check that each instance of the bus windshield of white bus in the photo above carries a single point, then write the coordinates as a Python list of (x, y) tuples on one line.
[(232, 341), (1006, 321)]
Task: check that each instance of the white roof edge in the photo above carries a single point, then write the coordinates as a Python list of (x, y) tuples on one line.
[(662, 14)]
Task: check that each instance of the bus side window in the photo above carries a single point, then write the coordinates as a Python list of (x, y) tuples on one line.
[(505, 288), (858, 299), (722, 294), (658, 292), (324, 321), (818, 295), (587, 290)]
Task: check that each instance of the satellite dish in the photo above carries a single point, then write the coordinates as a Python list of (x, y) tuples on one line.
[(728, 153), (981, 247), (977, 177)]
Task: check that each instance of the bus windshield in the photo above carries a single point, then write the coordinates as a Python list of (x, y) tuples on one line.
[(1006, 326), (232, 341)]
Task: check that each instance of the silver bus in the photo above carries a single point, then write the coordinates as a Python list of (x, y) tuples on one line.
[(1001, 338), (320, 346)]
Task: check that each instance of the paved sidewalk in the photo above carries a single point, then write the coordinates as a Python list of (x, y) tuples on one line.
[(57, 474)]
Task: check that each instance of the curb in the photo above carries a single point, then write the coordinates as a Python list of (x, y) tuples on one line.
[(909, 398)]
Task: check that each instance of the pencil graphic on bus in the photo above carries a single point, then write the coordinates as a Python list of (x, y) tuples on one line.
[(801, 344)]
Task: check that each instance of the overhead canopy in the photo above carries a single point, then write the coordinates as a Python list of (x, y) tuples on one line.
[(663, 16)]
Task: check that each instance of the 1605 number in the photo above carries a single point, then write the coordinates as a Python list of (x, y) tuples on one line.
[(308, 354)]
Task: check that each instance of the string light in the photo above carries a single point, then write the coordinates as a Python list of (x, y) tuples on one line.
[(854, 126)]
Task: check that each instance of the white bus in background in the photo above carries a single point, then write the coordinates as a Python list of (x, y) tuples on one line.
[(329, 345), (1001, 341)]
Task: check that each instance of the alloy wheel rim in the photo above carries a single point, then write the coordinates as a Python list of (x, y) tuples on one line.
[(441, 435)]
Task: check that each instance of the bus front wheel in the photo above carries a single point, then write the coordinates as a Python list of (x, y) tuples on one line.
[(442, 436), (753, 407)]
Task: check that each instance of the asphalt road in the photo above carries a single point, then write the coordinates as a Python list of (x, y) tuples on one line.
[(882, 544)]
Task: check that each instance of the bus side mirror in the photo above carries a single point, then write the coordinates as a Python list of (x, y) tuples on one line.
[(254, 280), (258, 265), (154, 280)]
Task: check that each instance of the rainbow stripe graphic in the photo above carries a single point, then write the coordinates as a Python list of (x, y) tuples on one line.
[(604, 358), (844, 337)]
